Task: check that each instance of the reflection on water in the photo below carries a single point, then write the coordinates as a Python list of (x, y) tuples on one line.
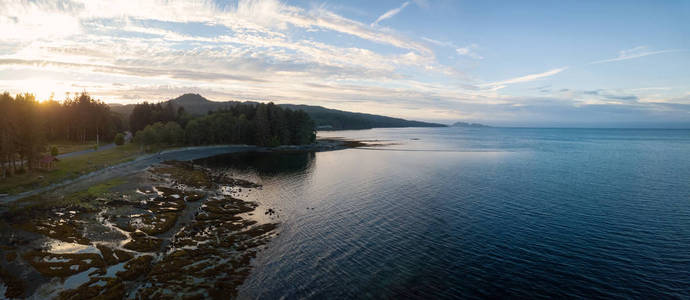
[(60, 247), (262, 163), (517, 213)]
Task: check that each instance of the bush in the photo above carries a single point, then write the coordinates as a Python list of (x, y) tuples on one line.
[(274, 141), (119, 139), (54, 151)]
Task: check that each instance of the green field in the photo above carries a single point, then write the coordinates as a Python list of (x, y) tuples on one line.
[(68, 147), (68, 168)]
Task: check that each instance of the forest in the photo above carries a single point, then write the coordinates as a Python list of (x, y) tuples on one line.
[(28, 127), (246, 123)]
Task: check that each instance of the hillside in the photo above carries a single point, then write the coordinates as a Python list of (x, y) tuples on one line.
[(325, 118), (465, 124)]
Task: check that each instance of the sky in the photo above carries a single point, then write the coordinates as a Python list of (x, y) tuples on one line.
[(503, 63)]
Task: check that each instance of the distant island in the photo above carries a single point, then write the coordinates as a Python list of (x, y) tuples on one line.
[(325, 118), (465, 124)]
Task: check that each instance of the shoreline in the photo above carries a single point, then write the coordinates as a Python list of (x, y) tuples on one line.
[(181, 154), (152, 227)]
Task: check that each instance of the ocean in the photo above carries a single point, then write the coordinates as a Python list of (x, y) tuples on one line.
[(476, 213)]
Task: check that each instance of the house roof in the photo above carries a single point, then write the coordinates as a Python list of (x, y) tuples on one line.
[(49, 159)]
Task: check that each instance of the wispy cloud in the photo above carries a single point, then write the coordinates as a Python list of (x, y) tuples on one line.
[(469, 51), (391, 13), (270, 50), (636, 52), (439, 43), (526, 78)]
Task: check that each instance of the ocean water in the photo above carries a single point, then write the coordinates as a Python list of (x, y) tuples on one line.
[(477, 213)]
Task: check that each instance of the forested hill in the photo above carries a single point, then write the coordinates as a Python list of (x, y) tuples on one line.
[(325, 118)]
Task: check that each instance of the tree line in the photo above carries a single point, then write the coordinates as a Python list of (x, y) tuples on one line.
[(27, 126), (244, 123)]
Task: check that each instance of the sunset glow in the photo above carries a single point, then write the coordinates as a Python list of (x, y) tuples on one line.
[(430, 60)]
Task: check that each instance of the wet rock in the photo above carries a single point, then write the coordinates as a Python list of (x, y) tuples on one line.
[(185, 173), (136, 268), (14, 286), (62, 265), (96, 288), (143, 243), (10, 256), (112, 257)]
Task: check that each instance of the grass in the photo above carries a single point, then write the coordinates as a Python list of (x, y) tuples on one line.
[(68, 147), (68, 168), (94, 191), (83, 198)]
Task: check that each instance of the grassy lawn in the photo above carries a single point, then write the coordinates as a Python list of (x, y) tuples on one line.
[(68, 147), (83, 198), (68, 168)]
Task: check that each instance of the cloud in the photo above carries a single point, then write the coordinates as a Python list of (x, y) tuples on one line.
[(269, 50), (526, 78), (439, 43), (391, 13), (469, 51), (129, 70), (636, 52)]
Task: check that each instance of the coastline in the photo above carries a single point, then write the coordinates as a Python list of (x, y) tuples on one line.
[(114, 231), (174, 227), (181, 154)]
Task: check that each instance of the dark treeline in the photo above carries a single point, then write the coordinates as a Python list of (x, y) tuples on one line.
[(27, 126), (255, 124), (148, 113)]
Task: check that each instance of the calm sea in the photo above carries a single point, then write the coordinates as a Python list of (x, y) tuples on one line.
[(476, 213)]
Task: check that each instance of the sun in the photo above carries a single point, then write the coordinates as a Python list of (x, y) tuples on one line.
[(45, 89)]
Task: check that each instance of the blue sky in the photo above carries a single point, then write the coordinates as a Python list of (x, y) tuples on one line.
[(511, 63)]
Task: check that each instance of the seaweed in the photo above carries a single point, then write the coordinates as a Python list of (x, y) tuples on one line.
[(112, 289), (15, 287), (135, 268), (62, 265), (143, 243)]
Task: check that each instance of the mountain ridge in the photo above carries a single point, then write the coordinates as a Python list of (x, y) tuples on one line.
[(325, 118)]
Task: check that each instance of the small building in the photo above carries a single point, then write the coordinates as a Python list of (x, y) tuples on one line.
[(47, 162)]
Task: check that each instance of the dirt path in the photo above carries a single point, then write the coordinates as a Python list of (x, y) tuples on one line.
[(183, 154), (128, 137)]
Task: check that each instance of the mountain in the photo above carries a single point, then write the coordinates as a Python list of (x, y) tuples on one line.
[(333, 119), (325, 118), (465, 124)]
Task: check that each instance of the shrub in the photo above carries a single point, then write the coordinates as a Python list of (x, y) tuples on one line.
[(119, 139), (54, 151)]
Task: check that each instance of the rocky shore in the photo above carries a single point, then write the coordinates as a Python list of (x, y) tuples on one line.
[(181, 154), (173, 230)]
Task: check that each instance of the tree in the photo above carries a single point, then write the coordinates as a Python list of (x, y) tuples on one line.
[(29, 140), (262, 125), (119, 139), (172, 134), (258, 124)]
